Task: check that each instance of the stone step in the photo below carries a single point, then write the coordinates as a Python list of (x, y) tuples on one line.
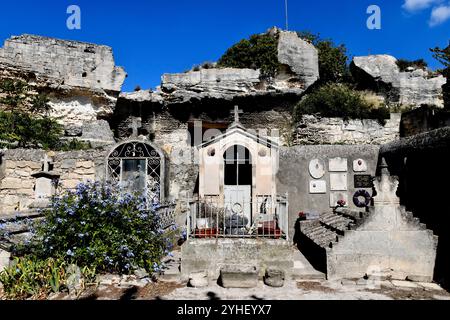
[(171, 271)]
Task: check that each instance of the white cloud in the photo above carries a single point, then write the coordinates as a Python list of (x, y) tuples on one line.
[(416, 5), (439, 15)]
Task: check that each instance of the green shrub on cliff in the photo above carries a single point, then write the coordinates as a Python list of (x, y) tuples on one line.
[(339, 100), (332, 58), (260, 51), (24, 120)]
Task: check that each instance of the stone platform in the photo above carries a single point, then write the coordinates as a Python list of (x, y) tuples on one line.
[(214, 255)]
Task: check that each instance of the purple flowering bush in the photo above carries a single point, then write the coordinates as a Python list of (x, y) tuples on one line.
[(100, 228)]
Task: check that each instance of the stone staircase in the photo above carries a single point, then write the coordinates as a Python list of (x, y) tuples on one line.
[(316, 236), (326, 230)]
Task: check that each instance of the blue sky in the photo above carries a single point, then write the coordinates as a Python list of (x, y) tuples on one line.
[(150, 37)]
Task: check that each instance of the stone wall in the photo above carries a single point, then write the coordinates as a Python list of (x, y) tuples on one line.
[(17, 166), (16, 182), (316, 130), (294, 176), (79, 166)]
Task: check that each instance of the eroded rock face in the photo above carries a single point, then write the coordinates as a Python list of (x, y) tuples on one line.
[(299, 56), (80, 78), (69, 63), (415, 87), (224, 83)]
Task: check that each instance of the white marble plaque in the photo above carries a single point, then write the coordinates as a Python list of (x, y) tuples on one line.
[(338, 182), (317, 186), (338, 165), (336, 196), (317, 168), (359, 165), (44, 188)]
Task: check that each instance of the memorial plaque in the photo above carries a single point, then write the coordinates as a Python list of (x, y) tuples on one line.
[(336, 196), (317, 168), (363, 181), (317, 187), (338, 165), (338, 182), (359, 165)]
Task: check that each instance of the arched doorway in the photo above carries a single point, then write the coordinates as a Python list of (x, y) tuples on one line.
[(238, 175), (138, 167)]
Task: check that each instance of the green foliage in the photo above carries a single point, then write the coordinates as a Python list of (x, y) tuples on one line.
[(14, 94), (97, 227), (25, 120), (404, 64), (73, 145), (29, 131), (443, 56), (339, 100), (40, 104), (31, 277), (332, 58), (260, 51)]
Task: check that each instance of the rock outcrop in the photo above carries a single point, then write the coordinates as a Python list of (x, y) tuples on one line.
[(299, 70), (413, 87), (81, 79), (299, 58), (209, 83)]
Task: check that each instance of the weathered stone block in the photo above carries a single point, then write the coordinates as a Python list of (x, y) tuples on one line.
[(198, 279), (274, 277), (238, 276)]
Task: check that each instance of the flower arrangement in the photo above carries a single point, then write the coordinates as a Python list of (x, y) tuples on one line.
[(341, 203)]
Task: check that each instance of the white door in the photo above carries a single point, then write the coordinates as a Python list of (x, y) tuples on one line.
[(238, 200)]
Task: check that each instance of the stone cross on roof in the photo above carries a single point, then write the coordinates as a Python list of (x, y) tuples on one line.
[(46, 161), (236, 112), (135, 126)]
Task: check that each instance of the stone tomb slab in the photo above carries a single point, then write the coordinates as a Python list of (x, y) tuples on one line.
[(338, 182), (317, 187), (338, 165)]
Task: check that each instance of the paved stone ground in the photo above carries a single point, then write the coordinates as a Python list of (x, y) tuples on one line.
[(318, 290)]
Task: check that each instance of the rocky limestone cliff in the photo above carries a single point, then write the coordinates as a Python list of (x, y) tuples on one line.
[(299, 70), (413, 87), (81, 79)]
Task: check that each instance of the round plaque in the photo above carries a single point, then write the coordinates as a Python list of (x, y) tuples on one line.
[(317, 168)]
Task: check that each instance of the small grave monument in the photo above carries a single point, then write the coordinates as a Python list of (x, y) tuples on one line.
[(46, 182)]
